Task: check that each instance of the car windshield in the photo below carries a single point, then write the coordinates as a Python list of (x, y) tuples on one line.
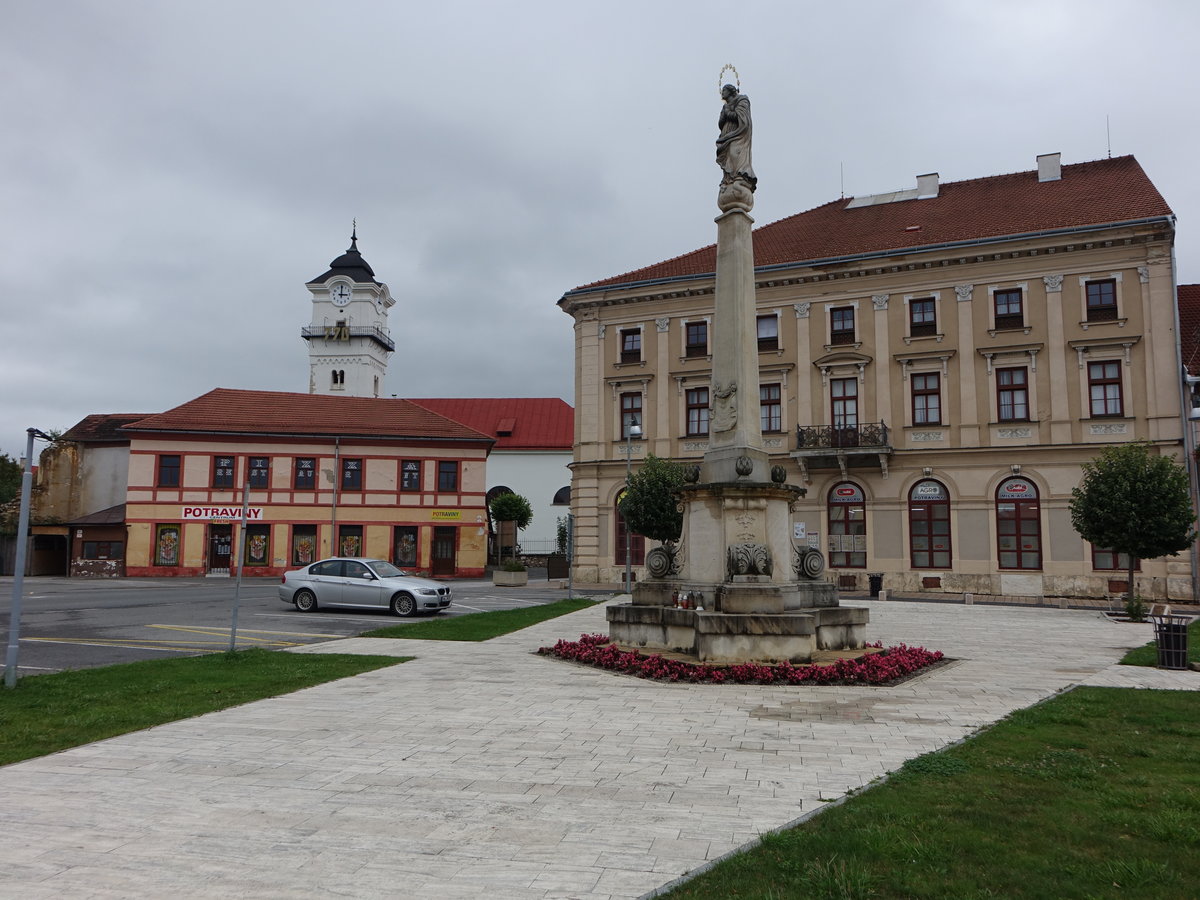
[(385, 569)]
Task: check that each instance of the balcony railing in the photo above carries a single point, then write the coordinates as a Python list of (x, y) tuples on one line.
[(868, 436), (345, 332)]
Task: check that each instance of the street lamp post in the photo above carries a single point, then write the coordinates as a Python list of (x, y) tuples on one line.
[(633, 430), (14, 622)]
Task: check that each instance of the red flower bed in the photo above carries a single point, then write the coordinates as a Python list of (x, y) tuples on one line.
[(871, 668)]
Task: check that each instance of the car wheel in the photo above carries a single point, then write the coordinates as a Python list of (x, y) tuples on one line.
[(306, 601), (404, 605)]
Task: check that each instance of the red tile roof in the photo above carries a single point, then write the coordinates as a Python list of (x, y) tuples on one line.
[(226, 411), (1102, 192), (1189, 326), (531, 423), (102, 428)]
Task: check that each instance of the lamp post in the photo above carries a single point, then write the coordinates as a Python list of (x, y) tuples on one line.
[(14, 622), (632, 430)]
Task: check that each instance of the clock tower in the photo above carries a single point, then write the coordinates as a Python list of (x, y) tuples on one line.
[(348, 340)]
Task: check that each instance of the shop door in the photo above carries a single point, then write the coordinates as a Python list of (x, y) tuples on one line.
[(220, 545), (445, 540)]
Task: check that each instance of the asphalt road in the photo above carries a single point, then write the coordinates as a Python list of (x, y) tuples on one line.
[(75, 623)]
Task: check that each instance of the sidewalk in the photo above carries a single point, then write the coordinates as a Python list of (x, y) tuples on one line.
[(481, 770)]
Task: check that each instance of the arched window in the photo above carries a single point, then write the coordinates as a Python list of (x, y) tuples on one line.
[(562, 497), (1018, 525), (929, 525), (847, 527), (637, 543)]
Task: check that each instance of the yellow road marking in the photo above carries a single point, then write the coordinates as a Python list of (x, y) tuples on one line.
[(221, 632), (261, 631)]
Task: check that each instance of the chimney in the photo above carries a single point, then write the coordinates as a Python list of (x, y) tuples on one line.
[(1050, 167), (927, 186)]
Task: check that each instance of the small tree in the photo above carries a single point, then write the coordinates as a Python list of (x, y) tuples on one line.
[(650, 506), (513, 508), (1132, 502)]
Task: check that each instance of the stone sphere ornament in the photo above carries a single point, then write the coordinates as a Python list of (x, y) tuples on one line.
[(692, 474), (743, 466), (778, 474)]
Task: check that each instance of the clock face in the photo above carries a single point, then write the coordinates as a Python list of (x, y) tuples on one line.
[(340, 294)]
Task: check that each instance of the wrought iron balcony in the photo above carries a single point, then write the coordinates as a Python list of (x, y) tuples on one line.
[(842, 447), (346, 332), (871, 436)]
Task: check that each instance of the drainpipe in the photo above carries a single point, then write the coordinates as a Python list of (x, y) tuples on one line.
[(337, 475)]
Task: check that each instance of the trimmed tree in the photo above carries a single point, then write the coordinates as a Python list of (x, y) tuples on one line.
[(1134, 502), (511, 508), (650, 506)]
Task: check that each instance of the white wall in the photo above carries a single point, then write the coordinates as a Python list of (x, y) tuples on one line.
[(536, 476)]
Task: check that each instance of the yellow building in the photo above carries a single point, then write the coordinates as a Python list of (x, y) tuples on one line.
[(326, 476), (935, 364)]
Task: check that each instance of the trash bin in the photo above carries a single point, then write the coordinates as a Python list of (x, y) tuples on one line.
[(876, 583), (1171, 636)]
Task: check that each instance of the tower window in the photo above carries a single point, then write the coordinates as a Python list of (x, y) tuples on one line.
[(337, 377)]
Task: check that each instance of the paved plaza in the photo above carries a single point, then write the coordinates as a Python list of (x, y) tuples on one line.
[(482, 770)]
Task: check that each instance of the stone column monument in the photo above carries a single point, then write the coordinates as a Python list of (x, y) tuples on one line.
[(761, 594)]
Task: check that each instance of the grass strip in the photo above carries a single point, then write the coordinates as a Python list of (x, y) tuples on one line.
[(47, 713), (482, 626), (1093, 794), (1147, 655)]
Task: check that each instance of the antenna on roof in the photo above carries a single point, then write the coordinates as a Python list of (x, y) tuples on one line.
[(842, 176), (1108, 135)]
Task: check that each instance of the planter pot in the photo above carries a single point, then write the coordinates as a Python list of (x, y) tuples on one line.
[(510, 579)]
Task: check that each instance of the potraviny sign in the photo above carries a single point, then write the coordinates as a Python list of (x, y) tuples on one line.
[(253, 514)]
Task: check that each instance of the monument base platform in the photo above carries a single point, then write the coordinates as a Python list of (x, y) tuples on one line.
[(731, 637)]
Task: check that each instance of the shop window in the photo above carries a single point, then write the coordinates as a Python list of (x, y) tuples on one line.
[(260, 471), (404, 552), (352, 472), (926, 398), (1009, 308), (1018, 525), (304, 544), (410, 475), (258, 545), (922, 317), (447, 476), (1104, 388), (929, 526), (167, 545), (768, 332), (847, 527), (350, 539), (696, 339), (697, 412), (1012, 394), (631, 345), (103, 549), (222, 472), (631, 413), (304, 476), (168, 470), (770, 405), (841, 325), (1101, 300)]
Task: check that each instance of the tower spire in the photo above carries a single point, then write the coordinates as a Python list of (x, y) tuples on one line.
[(354, 234)]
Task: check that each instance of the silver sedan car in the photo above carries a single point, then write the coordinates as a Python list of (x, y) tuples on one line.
[(362, 584)]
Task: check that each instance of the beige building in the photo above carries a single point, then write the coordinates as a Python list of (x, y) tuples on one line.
[(934, 364)]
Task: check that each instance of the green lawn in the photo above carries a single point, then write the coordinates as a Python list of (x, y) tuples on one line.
[(482, 626), (1148, 655), (1095, 793), (47, 713)]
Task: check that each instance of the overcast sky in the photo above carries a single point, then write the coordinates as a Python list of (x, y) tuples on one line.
[(173, 172)]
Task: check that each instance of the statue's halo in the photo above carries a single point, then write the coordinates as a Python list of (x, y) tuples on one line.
[(728, 67)]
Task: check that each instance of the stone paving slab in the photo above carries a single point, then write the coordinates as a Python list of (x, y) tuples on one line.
[(482, 770)]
